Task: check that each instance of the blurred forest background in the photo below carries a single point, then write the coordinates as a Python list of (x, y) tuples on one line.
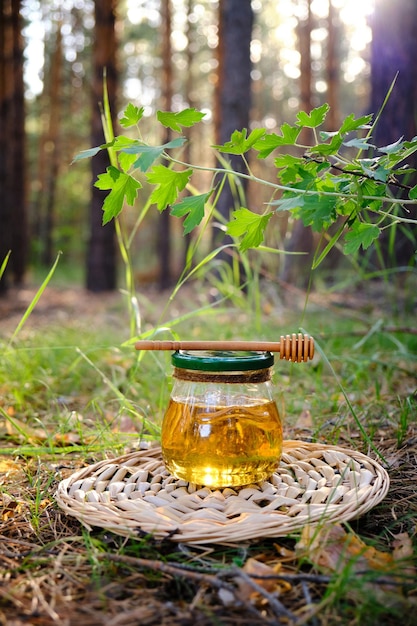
[(243, 63)]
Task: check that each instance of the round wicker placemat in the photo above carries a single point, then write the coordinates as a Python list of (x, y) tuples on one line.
[(134, 494)]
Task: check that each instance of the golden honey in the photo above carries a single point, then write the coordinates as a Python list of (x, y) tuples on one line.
[(221, 445)]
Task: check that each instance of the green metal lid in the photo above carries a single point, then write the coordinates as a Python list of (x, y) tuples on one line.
[(222, 361)]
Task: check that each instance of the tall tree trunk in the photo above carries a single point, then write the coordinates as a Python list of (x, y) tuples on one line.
[(394, 49), (233, 93), (301, 240), (101, 253), (6, 78), (50, 153), (189, 85), (332, 68), (13, 231), (164, 233), (304, 44)]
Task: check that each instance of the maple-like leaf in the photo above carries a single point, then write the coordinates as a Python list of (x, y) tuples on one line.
[(250, 225), (122, 186), (131, 115), (350, 123), (327, 149), (288, 202), (316, 210), (193, 207), (174, 121), (361, 234), (239, 141), (168, 185), (268, 143), (314, 118), (149, 154)]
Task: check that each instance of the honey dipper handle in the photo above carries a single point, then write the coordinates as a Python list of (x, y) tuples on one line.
[(295, 347)]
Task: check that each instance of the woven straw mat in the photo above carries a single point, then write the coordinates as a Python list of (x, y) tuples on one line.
[(134, 495)]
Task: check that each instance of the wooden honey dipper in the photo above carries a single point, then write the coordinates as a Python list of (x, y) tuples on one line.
[(295, 347)]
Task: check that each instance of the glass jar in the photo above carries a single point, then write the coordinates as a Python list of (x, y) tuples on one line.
[(222, 426)]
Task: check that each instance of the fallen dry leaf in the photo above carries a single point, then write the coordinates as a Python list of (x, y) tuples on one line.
[(403, 555), (304, 420), (8, 466), (402, 547), (20, 431), (332, 548), (259, 573), (66, 439), (285, 553), (125, 424), (11, 508)]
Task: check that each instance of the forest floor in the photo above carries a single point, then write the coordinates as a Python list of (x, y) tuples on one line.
[(53, 571)]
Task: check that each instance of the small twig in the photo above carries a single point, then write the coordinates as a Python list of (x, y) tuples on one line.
[(309, 601), (276, 605), (209, 579), (171, 570), (19, 542), (360, 174), (296, 578)]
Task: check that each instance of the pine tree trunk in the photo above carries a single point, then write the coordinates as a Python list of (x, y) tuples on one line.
[(332, 69), (233, 93), (13, 231), (164, 232), (101, 253), (53, 154), (394, 50), (296, 268), (189, 85)]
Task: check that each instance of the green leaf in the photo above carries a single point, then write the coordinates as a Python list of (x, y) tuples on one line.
[(374, 171), (350, 123), (149, 154), (87, 154), (369, 187), (361, 234), (287, 160), (324, 134), (174, 121), (131, 115), (315, 118), (327, 149), (121, 142), (250, 225), (361, 144), (125, 160), (288, 203), (122, 187), (239, 142), (168, 185), (411, 144), (412, 194), (193, 206), (268, 143), (317, 211), (392, 147)]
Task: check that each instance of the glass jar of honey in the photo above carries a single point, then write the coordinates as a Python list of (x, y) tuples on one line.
[(222, 426)]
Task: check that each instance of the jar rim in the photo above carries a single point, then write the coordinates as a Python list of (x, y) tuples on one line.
[(222, 360)]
